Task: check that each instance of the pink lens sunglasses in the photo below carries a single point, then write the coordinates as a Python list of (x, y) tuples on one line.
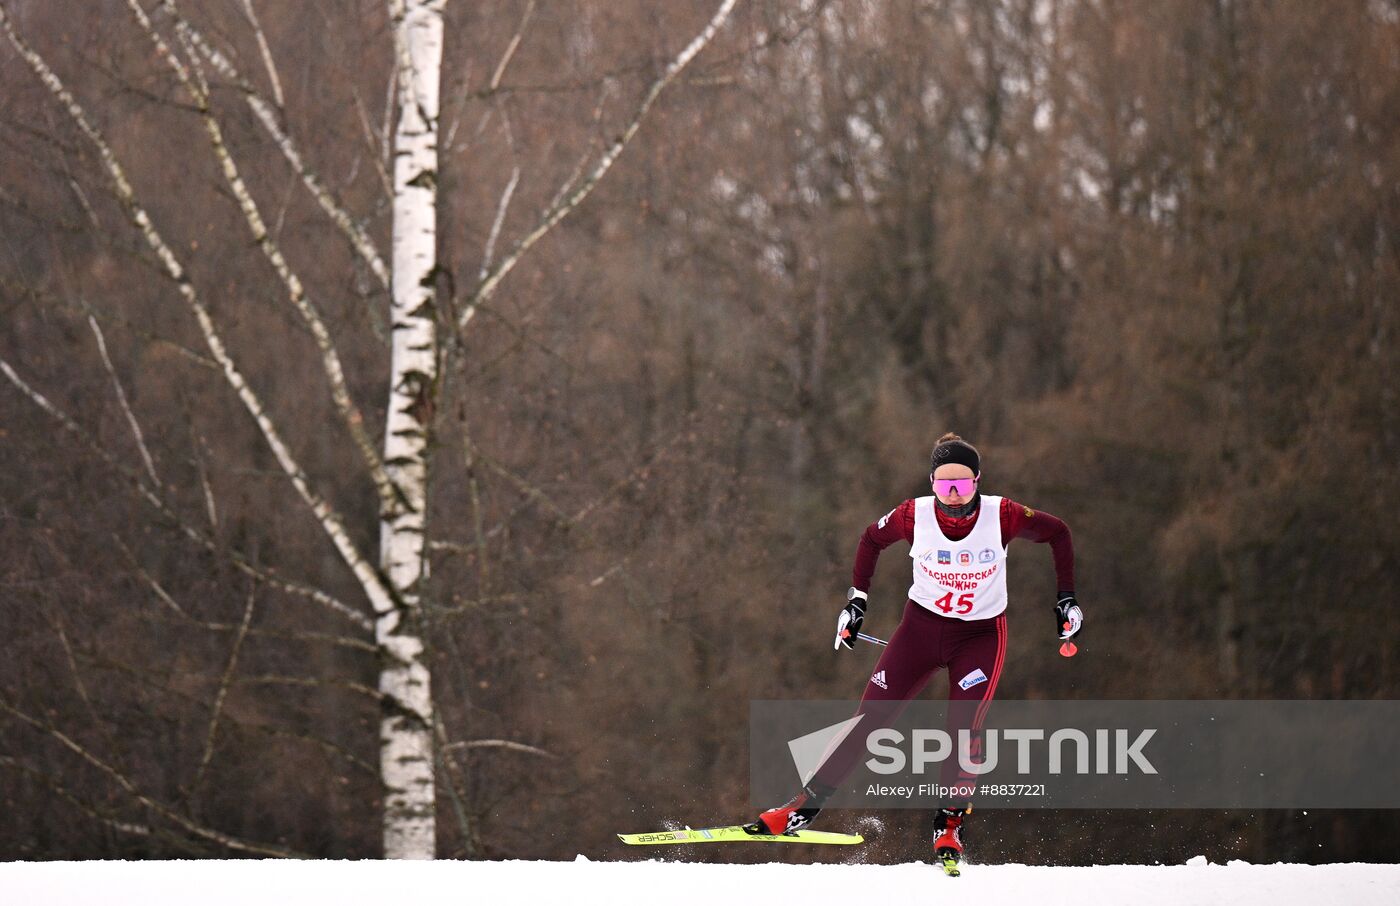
[(945, 486)]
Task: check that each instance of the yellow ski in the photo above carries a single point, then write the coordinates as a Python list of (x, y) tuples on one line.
[(736, 833)]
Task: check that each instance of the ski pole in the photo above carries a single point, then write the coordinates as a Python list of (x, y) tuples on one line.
[(871, 639)]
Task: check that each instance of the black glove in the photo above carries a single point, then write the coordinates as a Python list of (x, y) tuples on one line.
[(1069, 619), (852, 615)]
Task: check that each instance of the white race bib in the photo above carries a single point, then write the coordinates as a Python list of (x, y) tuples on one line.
[(966, 579)]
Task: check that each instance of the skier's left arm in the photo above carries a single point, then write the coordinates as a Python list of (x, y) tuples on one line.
[(1018, 521)]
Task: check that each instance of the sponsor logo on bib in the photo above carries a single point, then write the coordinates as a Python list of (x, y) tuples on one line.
[(964, 558), (986, 555), (945, 557), (972, 679)]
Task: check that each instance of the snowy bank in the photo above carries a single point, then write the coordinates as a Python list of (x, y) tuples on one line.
[(582, 883)]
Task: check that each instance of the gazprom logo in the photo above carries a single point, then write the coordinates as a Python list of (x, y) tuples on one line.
[(972, 679)]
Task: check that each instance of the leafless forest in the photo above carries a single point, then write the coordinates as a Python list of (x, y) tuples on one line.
[(1146, 255)]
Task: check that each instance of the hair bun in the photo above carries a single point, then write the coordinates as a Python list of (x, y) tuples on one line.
[(947, 437)]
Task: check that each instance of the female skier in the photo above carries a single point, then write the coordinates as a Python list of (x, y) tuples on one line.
[(954, 618)]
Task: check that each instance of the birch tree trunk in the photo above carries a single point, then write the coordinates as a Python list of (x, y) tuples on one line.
[(405, 731)]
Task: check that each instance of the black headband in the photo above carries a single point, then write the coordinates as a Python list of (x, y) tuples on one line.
[(956, 451)]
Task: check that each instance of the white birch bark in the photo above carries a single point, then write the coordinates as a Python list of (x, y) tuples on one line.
[(394, 589), (406, 729)]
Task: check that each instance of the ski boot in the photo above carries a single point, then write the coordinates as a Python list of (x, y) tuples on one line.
[(793, 815), (947, 842)]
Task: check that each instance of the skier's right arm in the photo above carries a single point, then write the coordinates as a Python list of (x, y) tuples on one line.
[(896, 524)]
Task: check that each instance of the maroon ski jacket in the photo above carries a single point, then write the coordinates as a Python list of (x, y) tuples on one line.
[(1017, 521)]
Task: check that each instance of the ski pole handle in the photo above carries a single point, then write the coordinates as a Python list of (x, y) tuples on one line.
[(871, 639)]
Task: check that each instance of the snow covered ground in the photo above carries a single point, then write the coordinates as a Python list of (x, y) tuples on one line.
[(583, 883)]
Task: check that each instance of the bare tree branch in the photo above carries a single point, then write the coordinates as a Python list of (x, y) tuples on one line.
[(570, 200), (74, 428), (147, 678), (386, 147), (226, 840), (501, 206), (267, 115), (309, 682), (266, 52), (150, 497), (380, 596), (289, 635), (373, 141), (104, 816), (259, 679), (512, 46), (349, 411), (211, 508), (161, 594), (532, 492), (47, 298), (562, 519), (478, 522), (499, 744), (454, 788), (496, 75), (126, 407), (56, 619), (217, 708)]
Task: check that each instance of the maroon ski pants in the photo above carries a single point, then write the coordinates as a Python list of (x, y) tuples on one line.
[(972, 651)]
